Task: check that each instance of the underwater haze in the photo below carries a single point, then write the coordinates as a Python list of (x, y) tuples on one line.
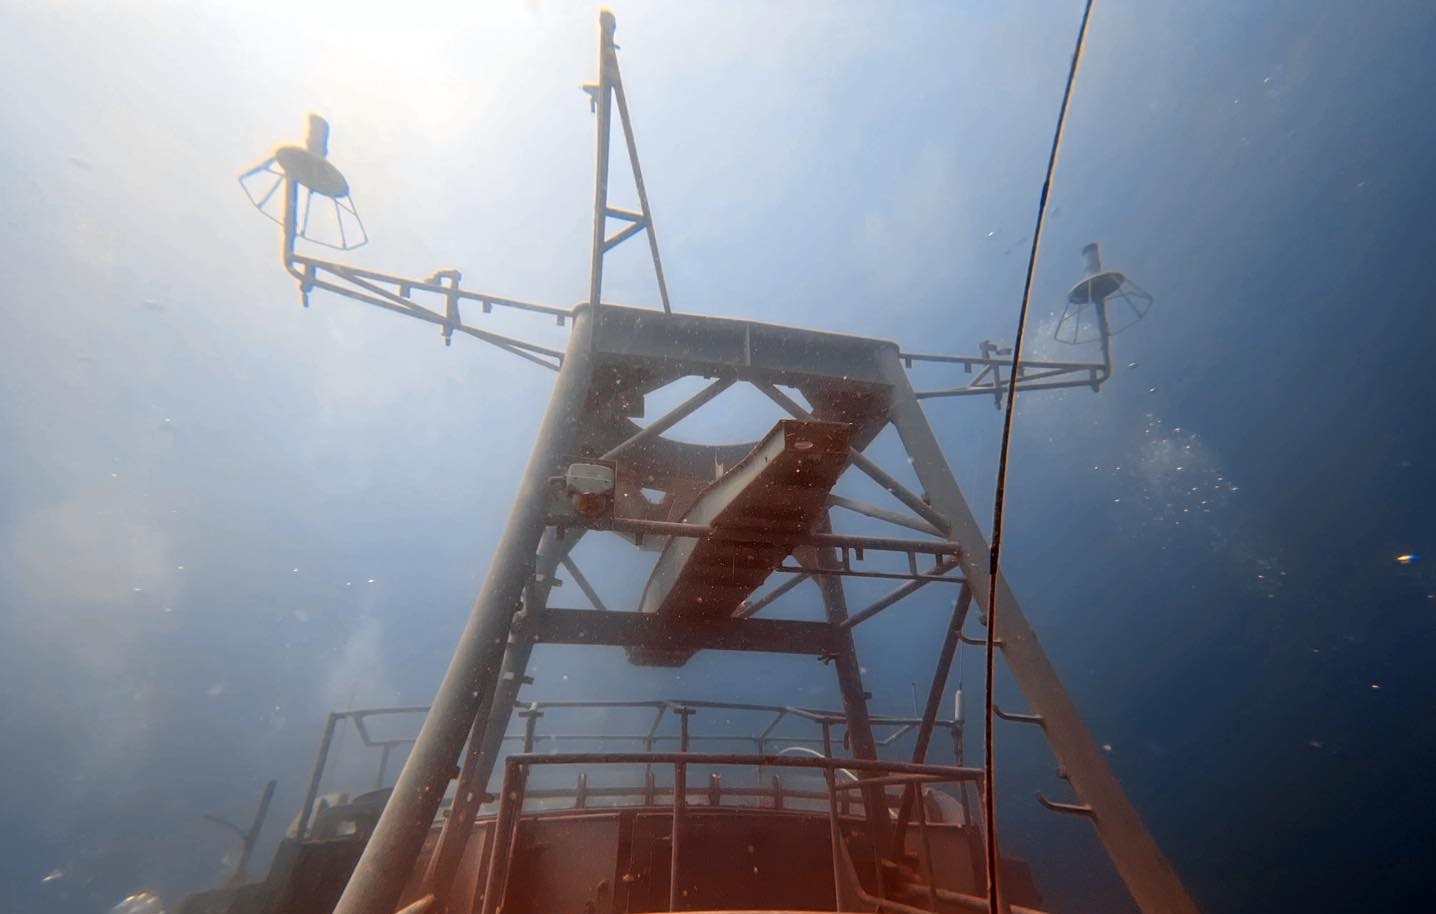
[(223, 516)]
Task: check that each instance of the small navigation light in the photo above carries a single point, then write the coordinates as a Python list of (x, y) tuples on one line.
[(325, 213)]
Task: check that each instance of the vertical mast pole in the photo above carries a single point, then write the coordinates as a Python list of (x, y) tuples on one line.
[(388, 859), (603, 104)]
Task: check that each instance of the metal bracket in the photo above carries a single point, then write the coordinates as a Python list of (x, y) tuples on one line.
[(1017, 718), (1071, 809)]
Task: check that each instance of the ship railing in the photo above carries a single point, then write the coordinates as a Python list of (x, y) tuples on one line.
[(848, 889), (773, 732)]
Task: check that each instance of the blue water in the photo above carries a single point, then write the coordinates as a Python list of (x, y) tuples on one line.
[(222, 516)]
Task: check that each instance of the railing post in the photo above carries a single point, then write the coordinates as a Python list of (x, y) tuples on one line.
[(835, 828), (531, 714), (317, 775), (680, 803), (505, 835), (383, 771), (925, 851)]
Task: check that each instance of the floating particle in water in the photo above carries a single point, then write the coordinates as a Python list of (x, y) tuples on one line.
[(53, 875), (371, 580), (1131, 364), (1106, 747), (1316, 744), (215, 690), (294, 571), (1375, 686), (1408, 558)]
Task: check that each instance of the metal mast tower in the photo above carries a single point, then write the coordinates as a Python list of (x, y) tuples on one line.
[(729, 517)]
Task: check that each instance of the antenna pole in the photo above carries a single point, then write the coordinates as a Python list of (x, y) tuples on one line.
[(602, 95), (638, 184)]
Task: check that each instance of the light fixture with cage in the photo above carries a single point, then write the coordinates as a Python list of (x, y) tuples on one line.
[(1101, 304), (325, 213)]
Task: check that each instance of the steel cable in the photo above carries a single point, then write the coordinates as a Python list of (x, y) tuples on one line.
[(989, 805)]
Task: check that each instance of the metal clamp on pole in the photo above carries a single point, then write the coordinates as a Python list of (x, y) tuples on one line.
[(1018, 718), (1071, 809)]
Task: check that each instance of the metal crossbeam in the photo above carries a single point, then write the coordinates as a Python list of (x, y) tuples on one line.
[(651, 631)]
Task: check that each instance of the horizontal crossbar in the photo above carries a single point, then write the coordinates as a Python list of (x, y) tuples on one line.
[(649, 630)]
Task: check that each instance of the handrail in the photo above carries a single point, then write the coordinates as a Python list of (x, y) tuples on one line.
[(764, 736), (517, 768)]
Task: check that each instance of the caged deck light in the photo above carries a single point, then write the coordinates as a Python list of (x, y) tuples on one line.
[(326, 214), (1101, 304)]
